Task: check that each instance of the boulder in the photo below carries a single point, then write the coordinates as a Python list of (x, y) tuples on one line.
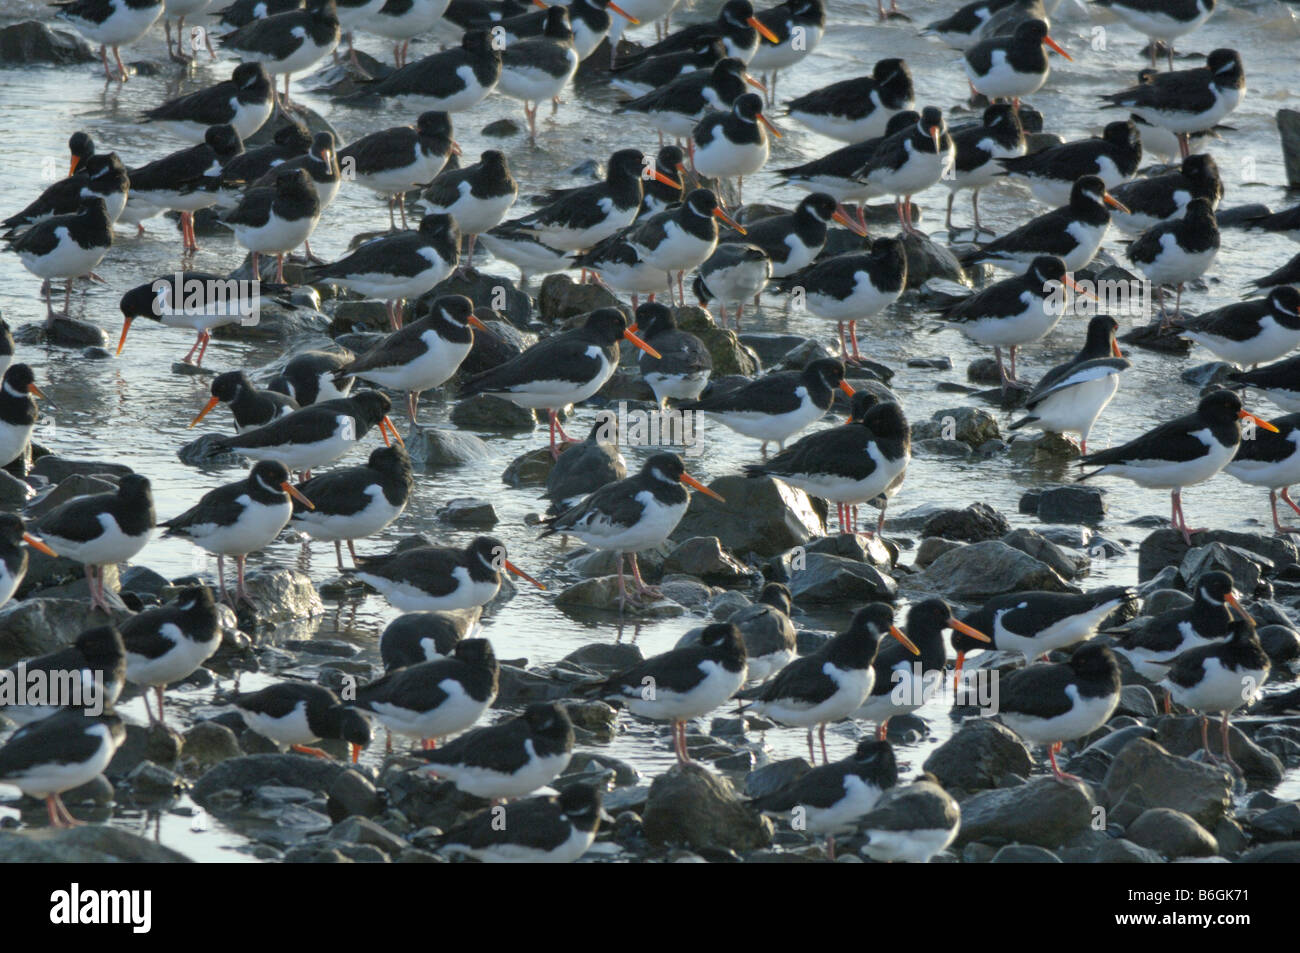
[(981, 570), (705, 558), (92, 844), (690, 806), (976, 523), (435, 448), (761, 516), (1146, 774), (836, 579), (1044, 812), (979, 756), (1171, 833)]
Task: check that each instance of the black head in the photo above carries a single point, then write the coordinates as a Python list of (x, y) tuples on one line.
[(625, 164), (1000, 115), (292, 181), (748, 106), (457, 309), (488, 550), (581, 804), (478, 42), (557, 23), (550, 719), (894, 74), (654, 318), (1220, 407), (270, 476), (728, 66), (1101, 335), (861, 402), (224, 141), (197, 599), (1123, 133), (494, 159), (475, 652), (371, 407), (1215, 587), (142, 301), (322, 147), (137, 488), (827, 370), (738, 12), (11, 530), (869, 625), (19, 381), (251, 76), (931, 119), (886, 419), (879, 754), (777, 595), (820, 205), (1091, 660), (351, 725), (1046, 268), (1202, 172), (1200, 212), (100, 163), (670, 157), (1031, 31), (228, 386), (1088, 191), (294, 136), (605, 325), (82, 148), (1241, 631), (438, 226), (930, 615), (434, 125), (394, 460), (1225, 65), (1285, 299), (900, 121), (103, 643), (665, 467), (722, 635)]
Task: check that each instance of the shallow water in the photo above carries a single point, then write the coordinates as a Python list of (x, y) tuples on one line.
[(133, 410)]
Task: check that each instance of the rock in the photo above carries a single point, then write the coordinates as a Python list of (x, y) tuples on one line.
[(561, 298), (56, 469), (425, 801), (152, 782), (499, 344), (601, 719), (38, 626), (253, 771), (857, 547), (691, 806), (1047, 552), (531, 468), (352, 316), (991, 568), (1165, 547), (1203, 375), (467, 512), (1072, 504), (435, 447), (931, 548), (278, 595), (969, 425), (772, 346), (1024, 854), (494, 292), (1283, 852), (602, 593), (351, 794), (362, 830), (704, 557), (1044, 812), (976, 523), (728, 354), (156, 743), (501, 129), (143, 581), (92, 844), (275, 321), (209, 743), (760, 516), (1288, 127), (1281, 822), (1172, 834), (31, 42), (1245, 567), (13, 491), (202, 452), (835, 579), (978, 756), (928, 259), (486, 412), (1163, 600), (1146, 774), (775, 776), (1136, 700), (69, 488), (1182, 736), (519, 686)]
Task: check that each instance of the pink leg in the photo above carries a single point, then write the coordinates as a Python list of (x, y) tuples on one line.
[(1060, 775)]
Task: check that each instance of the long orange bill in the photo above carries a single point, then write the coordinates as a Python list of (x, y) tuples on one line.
[(848, 223), (297, 494), (356, 753), (212, 402), (1232, 600), (35, 543), (771, 128), (956, 672), (897, 633), (1114, 348), (475, 322), (76, 161), (33, 389), (936, 135), (847, 388), (727, 219), (660, 177), (1115, 203), (623, 13), (523, 575), (697, 485), (965, 629), (757, 84), (767, 34), (1056, 46), (642, 345), (121, 342), (393, 428), (1259, 421)]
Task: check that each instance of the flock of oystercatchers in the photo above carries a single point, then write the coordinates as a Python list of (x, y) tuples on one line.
[(639, 232)]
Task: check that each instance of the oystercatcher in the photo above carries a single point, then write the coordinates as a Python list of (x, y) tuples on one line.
[(539, 830), (288, 43), (1180, 452), (112, 23), (736, 24), (99, 661), (1280, 382), (792, 241), (585, 467), (911, 823), (276, 220), (1187, 101), (637, 513), (102, 175), (676, 107), (1163, 20), (977, 151), (831, 683), (398, 267), (1071, 396), (852, 287), (321, 163), (243, 12), (13, 557), (296, 715), (1162, 198), (850, 464), (683, 683), (537, 69), (424, 636), (641, 78), (18, 411), (434, 578), (291, 141), (355, 502), (59, 753), (1286, 222), (658, 196), (1178, 251), (197, 300), (251, 407), (733, 144), (683, 366), (168, 643), (620, 267), (520, 246), (80, 148), (401, 20), (766, 629), (353, 14), (239, 518), (310, 377), (244, 102), (394, 161), (831, 799), (858, 109), (448, 81), (476, 196), (1050, 704), (66, 246), (1051, 173), (776, 406), (681, 238), (1220, 677), (910, 161), (101, 529), (798, 26), (560, 370), (1152, 647), (510, 759), (1072, 233), (184, 181), (1250, 332), (974, 21), (1009, 67), (903, 681), (589, 20), (430, 700), (733, 273), (1272, 460), (1014, 311)]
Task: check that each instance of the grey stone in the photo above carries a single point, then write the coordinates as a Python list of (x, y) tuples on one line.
[(986, 569), (691, 806), (435, 447), (1150, 775), (1044, 811), (976, 523), (1171, 833), (761, 516), (978, 756)]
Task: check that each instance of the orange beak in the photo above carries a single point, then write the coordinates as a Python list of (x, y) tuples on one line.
[(297, 494), (1115, 203), (76, 161), (1231, 599), (386, 422), (1056, 46), (936, 135), (660, 177), (623, 13), (212, 402), (767, 34), (356, 753), (897, 633), (642, 345), (724, 217), (475, 322), (848, 223), (523, 575), (965, 629), (1260, 421), (1114, 347), (35, 543), (33, 389), (757, 84), (121, 342), (770, 128), (956, 672), (847, 388), (1070, 283), (697, 485)]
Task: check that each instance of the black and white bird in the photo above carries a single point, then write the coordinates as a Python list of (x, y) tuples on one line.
[(620, 267), (1187, 101), (975, 21), (60, 753), (297, 715), (911, 823), (1279, 382), (291, 141), (680, 239), (110, 23), (13, 554), (538, 830), (589, 20), (831, 683), (978, 149), (1072, 233), (857, 109), (798, 26), (243, 12), (1161, 198), (734, 274), (425, 636), (321, 163), (436, 578), (1220, 677), (239, 518), (168, 643), (244, 102), (1051, 173), (101, 529), (510, 759), (1271, 460), (402, 20), (536, 69), (1178, 251), (250, 406), (1070, 397), (736, 24), (92, 669), (910, 161), (776, 406), (832, 798), (477, 196), (6, 346), (765, 626), (65, 246), (674, 108), (449, 81), (682, 369), (178, 10), (287, 43), (686, 682), (1161, 20), (400, 266), (733, 144), (1181, 452), (1152, 645), (197, 301), (849, 464), (560, 370), (1250, 332), (1014, 65), (636, 513), (794, 240), (1052, 703), (430, 700), (80, 148), (102, 175), (354, 502), (583, 468), (311, 377), (638, 79), (18, 411), (1285, 222), (520, 246), (657, 196), (397, 160)]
